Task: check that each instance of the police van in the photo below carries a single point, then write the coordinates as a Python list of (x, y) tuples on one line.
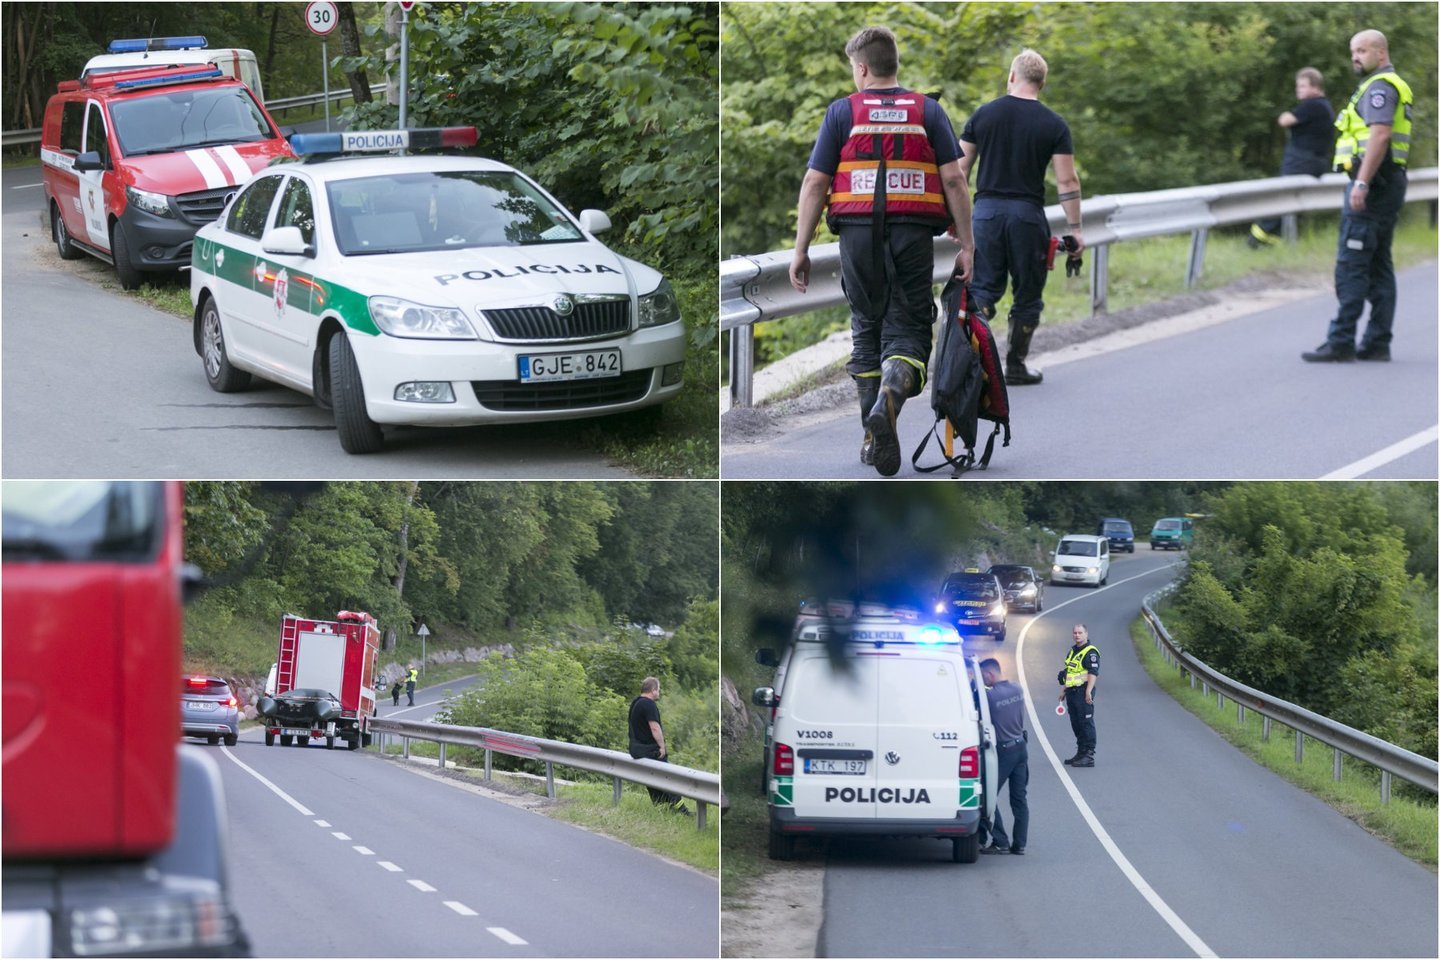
[(879, 728)]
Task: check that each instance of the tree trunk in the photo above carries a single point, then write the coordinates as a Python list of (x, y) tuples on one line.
[(350, 46), (399, 579), (270, 45)]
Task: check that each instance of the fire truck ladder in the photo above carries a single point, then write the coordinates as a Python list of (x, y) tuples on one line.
[(285, 672)]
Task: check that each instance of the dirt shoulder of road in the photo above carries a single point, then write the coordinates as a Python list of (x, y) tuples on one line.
[(779, 914), (1054, 345)]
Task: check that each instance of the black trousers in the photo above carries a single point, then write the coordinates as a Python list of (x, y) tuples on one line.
[(1292, 164), (651, 751), (410, 692), (1015, 772), (892, 311), (1082, 718)]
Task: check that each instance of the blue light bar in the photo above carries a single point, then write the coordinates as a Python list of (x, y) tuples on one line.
[(381, 141), (142, 44), (173, 77)]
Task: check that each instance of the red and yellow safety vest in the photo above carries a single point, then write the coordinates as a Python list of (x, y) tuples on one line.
[(888, 139)]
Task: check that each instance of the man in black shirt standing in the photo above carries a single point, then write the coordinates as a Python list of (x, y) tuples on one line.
[(647, 738), (1007, 713), (1311, 123), (1015, 139)]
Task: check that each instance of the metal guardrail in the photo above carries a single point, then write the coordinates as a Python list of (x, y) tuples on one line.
[(757, 287), (16, 138), (699, 785), (1390, 759)]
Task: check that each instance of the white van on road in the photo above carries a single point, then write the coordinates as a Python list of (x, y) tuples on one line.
[(890, 739), (1081, 558)]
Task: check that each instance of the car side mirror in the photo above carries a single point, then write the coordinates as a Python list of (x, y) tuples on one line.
[(192, 583), (763, 697), (766, 657), (88, 161), (594, 221), (287, 241)]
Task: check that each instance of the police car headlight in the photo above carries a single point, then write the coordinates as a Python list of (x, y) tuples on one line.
[(401, 318), (998, 610), (156, 203), (939, 608), (659, 307)]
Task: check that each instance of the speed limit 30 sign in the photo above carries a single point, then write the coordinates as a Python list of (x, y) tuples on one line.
[(321, 17)]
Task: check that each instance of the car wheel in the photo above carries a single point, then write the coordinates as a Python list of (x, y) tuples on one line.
[(213, 740), (329, 743), (967, 849), (358, 433), (269, 738), (231, 739), (782, 845), (222, 376), (353, 743), (285, 739), (68, 250), (1000, 637), (130, 276)]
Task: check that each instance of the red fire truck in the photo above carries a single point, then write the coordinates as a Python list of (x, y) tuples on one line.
[(323, 681), (114, 834)]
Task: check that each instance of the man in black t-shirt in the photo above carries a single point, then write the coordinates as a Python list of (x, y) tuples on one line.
[(1311, 123), (647, 737), (1015, 139)]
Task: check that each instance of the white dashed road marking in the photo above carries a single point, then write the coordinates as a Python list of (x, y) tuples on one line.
[(421, 885), (507, 936), (364, 851), (390, 866), (460, 908), (322, 823), (340, 836)]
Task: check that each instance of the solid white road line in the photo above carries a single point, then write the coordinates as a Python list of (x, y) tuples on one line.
[(1379, 458), (390, 866), (421, 885), (363, 851), (460, 908), (507, 936), (258, 776), (1191, 938), (26, 186)]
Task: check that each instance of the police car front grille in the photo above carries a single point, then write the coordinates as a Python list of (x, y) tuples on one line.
[(589, 321), (511, 395), (203, 206)]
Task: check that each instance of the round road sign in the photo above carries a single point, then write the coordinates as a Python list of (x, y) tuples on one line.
[(321, 17)]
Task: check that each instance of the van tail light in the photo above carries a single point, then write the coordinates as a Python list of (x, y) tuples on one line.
[(969, 763), (784, 760)]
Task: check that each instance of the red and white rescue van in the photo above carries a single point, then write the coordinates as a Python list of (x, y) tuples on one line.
[(135, 161), (335, 656)]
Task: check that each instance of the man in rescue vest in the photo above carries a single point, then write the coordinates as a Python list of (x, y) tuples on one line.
[(887, 165), (1016, 137), (1373, 147), (1077, 691)]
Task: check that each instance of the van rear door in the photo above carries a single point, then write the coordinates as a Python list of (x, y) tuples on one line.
[(989, 746), (832, 724), (920, 734)]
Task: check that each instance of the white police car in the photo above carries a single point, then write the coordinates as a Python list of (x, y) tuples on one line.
[(426, 290), (878, 728)]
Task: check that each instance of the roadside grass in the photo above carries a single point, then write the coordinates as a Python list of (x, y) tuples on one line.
[(747, 823), (1407, 823), (1150, 270), (636, 821)]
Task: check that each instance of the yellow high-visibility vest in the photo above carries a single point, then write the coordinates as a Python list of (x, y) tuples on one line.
[(1354, 134), (1075, 671)]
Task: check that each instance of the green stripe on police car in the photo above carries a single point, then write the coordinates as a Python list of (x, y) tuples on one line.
[(305, 292)]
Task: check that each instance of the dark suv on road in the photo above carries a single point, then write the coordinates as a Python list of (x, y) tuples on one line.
[(974, 602), (1119, 532), (209, 709), (1023, 590)]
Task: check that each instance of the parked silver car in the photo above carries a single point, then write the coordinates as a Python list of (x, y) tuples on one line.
[(209, 709)]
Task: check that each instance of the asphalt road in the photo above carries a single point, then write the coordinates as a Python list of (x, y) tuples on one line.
[(1232, 400), (96, 384), (426, 868), (1246, 864)]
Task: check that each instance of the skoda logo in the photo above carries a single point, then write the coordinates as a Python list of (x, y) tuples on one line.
[(892, 758), (230, 196), (563, 305)]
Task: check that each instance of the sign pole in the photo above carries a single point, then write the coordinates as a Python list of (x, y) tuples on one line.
[(321, 17), (404, 59), (325, 73)]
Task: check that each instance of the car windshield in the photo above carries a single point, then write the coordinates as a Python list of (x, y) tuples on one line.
[(1117, 526), (444, 210), (196, 687), (80, 521), (1010, 575), (188, 118), (979, 588), (1079, 548), (1168, 525)]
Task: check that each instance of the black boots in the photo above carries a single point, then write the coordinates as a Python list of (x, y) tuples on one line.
[(868, 389), (1015, 370), (898, 382)]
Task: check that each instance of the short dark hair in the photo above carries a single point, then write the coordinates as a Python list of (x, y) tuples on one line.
[(990, 663), (649, 685), (876, 48)]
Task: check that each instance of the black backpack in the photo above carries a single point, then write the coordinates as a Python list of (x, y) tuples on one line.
[(967, 384)]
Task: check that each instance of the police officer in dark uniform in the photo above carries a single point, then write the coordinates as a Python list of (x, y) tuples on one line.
[(1311, 123), (1007, 713), (1077, 681), (1373, 147), (887, 166), (1015, 139)]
